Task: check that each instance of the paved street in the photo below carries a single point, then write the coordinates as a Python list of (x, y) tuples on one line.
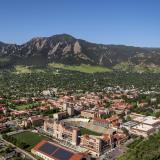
[(29, 156)]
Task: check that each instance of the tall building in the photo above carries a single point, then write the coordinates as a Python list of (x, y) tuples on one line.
[(62, 131), (95, 145), (69, 108)]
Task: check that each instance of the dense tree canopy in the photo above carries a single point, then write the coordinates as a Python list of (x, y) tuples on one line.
[(147, 149), (30, 84)]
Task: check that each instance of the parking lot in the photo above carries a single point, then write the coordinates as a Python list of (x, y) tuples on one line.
[(113, 154)]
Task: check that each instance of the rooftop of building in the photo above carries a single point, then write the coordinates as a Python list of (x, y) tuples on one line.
[(101, 120), (130, 124), (150, 120), (56, 151), (88, 111), (143, 127), (35, 118)]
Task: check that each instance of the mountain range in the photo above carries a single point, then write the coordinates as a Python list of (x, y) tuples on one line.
[(66, 49)]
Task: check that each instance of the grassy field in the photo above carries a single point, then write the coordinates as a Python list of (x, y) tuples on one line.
[(22, 107), (20, 69), (29, 138), (81, 68), (89, 132), (25, 106)]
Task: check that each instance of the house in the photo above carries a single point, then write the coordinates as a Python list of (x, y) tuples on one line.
[(121, 106), (8, 156)]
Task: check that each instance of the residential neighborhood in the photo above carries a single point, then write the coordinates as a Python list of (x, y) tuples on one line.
[(89, 126)]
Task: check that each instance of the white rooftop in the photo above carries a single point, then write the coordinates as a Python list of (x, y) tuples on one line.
[(130, 124), (139, 119), (150, 120), (143, 127)]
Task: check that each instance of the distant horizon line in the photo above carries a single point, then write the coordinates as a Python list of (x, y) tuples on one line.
[(90, 41)]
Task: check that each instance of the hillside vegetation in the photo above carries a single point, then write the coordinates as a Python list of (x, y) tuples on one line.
[(81, 68), (148, 149), (140, 68)]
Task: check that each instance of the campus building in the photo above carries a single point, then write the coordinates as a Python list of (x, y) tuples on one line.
[(95, 145), (101, 122), (89, 114), (107, 123), (142, 130), (51, 151), (142, 125), (62, 131)]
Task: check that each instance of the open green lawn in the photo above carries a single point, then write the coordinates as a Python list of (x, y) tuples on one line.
[(81, 68), (25, 106), (89, 132), (29, 138), (22, 107), (20, 69)]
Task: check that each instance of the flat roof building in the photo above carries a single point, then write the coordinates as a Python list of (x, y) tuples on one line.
[(51, 151), (143, 130), (128, 125)]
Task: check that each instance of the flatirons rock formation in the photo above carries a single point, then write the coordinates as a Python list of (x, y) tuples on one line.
[(69, 50)]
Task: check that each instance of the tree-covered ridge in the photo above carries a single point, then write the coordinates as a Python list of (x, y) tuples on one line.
[(147, 149)]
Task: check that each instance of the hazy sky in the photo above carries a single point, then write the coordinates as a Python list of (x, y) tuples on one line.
[(130, 22)]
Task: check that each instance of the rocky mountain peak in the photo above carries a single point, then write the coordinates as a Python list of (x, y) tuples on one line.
[(64, 48), (77, 48)]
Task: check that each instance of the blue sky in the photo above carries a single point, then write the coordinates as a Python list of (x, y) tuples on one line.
[(130, 22)]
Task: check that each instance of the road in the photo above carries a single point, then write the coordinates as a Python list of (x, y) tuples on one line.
[(15, 132), (19, 149)]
